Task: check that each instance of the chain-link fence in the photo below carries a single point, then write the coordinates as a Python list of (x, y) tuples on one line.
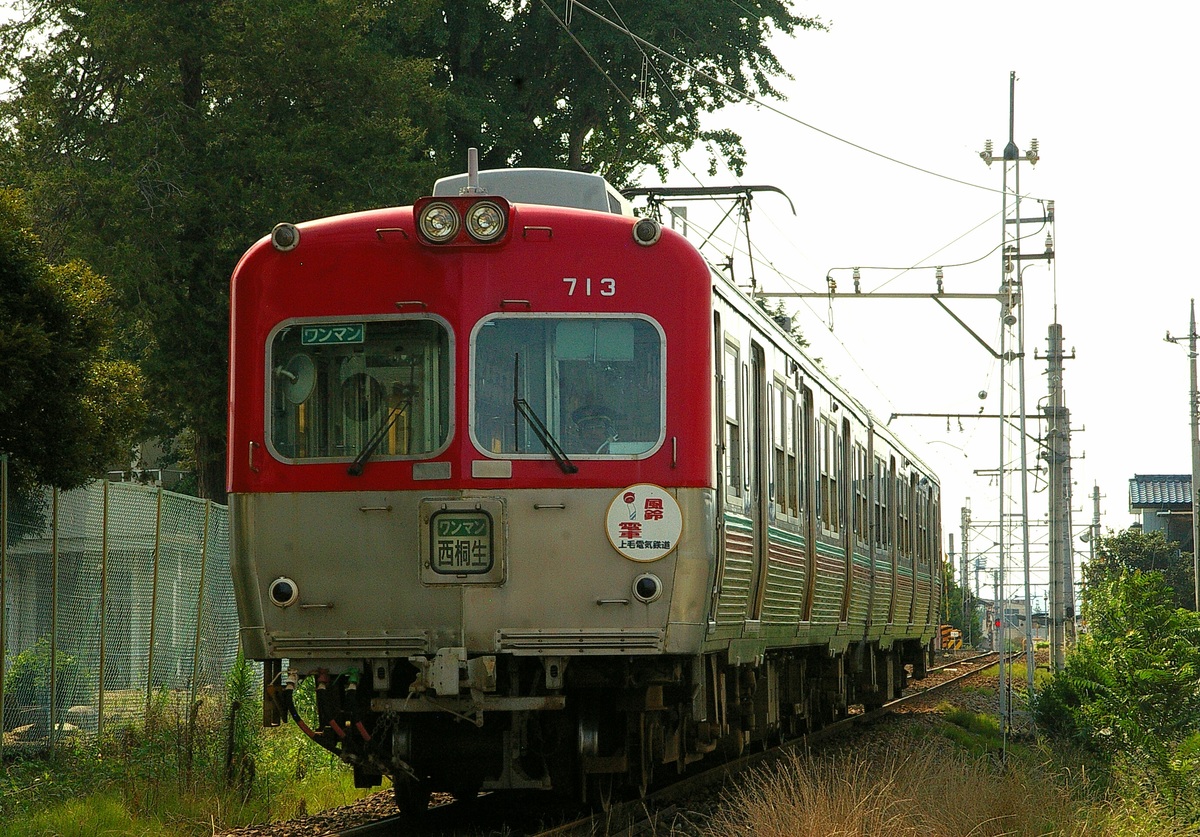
[(109, 595)]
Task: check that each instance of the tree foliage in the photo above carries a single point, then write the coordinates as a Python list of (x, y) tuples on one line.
[(157, 139), (1131, 688), (538, 83), (953, 611), (68, 407), (1134, 549)]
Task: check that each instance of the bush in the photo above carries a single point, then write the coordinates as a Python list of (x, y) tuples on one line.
[(1129, 691), (27, 683)]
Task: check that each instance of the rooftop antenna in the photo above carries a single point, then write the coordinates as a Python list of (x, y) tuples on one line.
[(472, 187)]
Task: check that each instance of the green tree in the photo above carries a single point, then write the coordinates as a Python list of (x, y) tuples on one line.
[(157, 139), (530, 88), (952, 605), (1133, 549), (68, 407)]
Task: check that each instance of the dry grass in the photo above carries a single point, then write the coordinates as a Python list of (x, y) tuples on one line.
[(923, 788)]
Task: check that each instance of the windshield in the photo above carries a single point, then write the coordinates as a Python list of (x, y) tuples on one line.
[(595, 382), (338, 387)]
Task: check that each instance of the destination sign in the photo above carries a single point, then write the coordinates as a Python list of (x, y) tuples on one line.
[(331, 335), (461, 542)]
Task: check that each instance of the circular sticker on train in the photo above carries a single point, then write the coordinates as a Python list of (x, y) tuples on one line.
[(644, 522)]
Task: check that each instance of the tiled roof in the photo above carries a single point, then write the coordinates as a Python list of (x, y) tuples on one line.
[(1158, 490)]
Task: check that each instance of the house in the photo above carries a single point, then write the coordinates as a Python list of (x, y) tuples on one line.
[(1164, 503)]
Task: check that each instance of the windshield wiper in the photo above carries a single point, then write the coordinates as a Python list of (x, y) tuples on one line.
[(356, 467), (540, 430)]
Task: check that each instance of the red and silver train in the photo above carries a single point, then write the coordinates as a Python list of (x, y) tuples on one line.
[(541, 500)]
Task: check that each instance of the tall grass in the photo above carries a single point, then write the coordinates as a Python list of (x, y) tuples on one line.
[(929, 786), (188, 769)]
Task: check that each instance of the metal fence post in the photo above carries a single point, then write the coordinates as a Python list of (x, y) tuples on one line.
[(3, 587), (153, 603), (103, 610), (200, 601), (53, 701)]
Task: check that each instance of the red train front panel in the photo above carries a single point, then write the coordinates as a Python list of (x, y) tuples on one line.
[(432, 442)]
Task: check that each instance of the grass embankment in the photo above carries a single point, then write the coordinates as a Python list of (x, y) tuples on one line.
[(171, 777), (951, 776)]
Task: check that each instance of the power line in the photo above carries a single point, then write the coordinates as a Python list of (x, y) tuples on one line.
[(738, 94)]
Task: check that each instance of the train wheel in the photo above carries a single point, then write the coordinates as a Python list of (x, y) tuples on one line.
[(412, 796), (645, 761)]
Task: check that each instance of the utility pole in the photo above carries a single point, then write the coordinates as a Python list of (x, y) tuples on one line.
[(948, 577), (1194, 414), (1012, 315), (1058, 457), (1092, 540), (966, 582)]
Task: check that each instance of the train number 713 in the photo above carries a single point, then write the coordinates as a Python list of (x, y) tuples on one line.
[(607, 286)]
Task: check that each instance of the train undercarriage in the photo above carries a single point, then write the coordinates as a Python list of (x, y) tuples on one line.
[(589, 727)]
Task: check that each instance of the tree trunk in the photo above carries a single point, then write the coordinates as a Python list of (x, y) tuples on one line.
[(210, 467)]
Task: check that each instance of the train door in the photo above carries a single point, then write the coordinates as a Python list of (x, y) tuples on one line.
[(870, 524), (893, 498), (910, 550), (809, 468), (936, 579), (849, 517), (721, 415), (757, 472)]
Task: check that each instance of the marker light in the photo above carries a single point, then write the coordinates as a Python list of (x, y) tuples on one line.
[(646, 231), (647, 587), (438, 222), (283, 592), (485, 221), (285, 237)]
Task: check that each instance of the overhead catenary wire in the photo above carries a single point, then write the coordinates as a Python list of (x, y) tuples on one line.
[(738, 94)]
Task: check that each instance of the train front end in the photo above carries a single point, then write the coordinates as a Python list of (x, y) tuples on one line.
[(470, 480)]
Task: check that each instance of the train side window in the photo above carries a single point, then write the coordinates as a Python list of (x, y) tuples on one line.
[(733, 420), (861, 514), (839, 470), (791, 466), (924, 549), (880, 504), (822, 510), (831, 474), (779, 486), (338, 388)]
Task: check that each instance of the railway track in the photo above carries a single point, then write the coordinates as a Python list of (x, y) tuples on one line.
[(640, 816), (635, 816)]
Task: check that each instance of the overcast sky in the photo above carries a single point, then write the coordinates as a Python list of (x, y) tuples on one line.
[(1105, 89)]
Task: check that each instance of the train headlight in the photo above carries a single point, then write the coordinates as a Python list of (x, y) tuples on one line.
[(485, 221), (647, 587), (438, 222), (462, 221), (283, 592)]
